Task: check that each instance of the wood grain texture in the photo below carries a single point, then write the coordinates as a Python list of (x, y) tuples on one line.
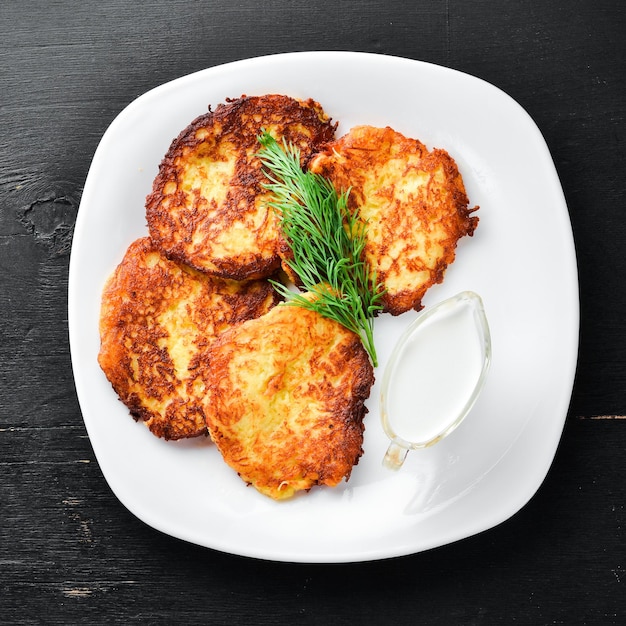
[(69, 551)]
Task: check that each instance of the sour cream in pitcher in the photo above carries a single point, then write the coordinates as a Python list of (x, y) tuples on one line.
[(434, 375)]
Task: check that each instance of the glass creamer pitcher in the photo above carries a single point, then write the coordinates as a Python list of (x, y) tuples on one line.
[(434, 375)]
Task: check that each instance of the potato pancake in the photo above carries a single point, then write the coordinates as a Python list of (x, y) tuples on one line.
[(414, 202), (285, 400), (208, 207), (158, 318)]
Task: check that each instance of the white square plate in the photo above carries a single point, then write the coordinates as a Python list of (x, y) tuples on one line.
[(521, 261)]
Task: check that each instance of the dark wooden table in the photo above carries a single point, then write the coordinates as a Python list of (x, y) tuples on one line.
[(69, 551)]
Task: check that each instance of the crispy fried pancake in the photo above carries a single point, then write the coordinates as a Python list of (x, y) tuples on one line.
[(157, 319), (414, 202), (208, 207), (285, 400)]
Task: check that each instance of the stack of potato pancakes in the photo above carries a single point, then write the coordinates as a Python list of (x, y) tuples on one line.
[(192, 339)]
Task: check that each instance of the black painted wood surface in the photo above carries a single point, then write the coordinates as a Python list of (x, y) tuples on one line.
[(69, 551)]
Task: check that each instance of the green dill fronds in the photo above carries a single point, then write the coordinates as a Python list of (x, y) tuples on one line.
[(327, 242)]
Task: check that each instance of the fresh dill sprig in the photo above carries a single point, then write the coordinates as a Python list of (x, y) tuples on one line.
[(327, 242)]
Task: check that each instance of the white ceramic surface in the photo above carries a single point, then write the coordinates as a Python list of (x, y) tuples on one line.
[(521, 260)]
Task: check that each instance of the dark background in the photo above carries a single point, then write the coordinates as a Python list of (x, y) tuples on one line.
[(69, 551)]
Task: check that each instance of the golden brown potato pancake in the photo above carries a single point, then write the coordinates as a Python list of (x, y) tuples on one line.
[(285, 400), (158, 318), (414, 202), (208, 207)]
